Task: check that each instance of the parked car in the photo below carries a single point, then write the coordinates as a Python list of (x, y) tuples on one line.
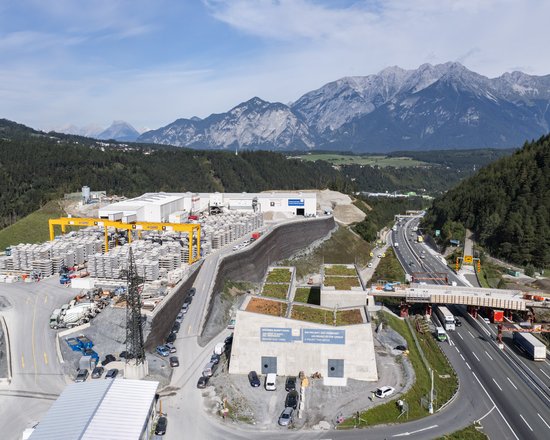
[(125, 355), (209, 369), (219, 348), (82, 376), (286, 417), (171, 337), (189, 300), (292, 399), (174, 362), (254, 379), (171, 348), (108, 358), (162, 424), (97, 372), (229, 340), (112, 373), (192, 291), (271, 382), (180, 316), (384, 392), (185, 308), (163, 350), (369, 265), (290, 383), (203, 381), (176, 327), (401, 348), (215, 359)]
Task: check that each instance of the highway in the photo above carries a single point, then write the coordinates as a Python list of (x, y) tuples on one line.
[(522, 402)]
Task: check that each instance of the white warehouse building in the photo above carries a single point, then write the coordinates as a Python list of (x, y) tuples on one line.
[(175, 207)]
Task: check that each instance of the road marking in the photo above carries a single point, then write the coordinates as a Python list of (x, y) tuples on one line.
[(33, 338), (493, 402), (489, 412), (45, 358), (471, 334), (460, 336), (189, 330), (476, 356), (45, 299), (526, 422), (28, 300), (457, 349), (544, 421), (22, 361), (462, 358), (489, 355), (417, 431), (542, 371), (468, 365), (509, 380), (497, 384)]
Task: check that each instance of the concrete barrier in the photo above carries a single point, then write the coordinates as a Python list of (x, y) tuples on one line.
[(8, 349)]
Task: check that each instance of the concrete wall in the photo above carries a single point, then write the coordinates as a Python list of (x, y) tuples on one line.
[(252, 263), (293, 357), (343, 298), (165, 314)]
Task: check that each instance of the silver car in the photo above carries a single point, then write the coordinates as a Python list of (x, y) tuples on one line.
[(286, 416)]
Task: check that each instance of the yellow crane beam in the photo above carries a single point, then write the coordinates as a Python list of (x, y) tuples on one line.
[(193, 230)]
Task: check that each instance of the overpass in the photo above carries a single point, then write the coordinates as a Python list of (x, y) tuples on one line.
[(469, 296)]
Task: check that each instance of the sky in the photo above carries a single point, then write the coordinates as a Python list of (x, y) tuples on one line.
[(150, 62)]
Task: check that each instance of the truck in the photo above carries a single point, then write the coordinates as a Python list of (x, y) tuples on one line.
[(54, 319), (420, 239), (78, 315), (532, 346), (446, 318)]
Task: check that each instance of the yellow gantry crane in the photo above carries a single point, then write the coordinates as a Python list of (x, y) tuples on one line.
[(193, 230)]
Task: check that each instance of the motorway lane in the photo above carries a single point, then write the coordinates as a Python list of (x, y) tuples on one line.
[(503, 383), (37, 375), (523, 425)]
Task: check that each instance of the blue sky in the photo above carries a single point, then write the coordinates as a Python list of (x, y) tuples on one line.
[(150, 62)]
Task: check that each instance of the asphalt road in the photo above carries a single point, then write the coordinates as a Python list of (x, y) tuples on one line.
[(37, 375), (521, 402)]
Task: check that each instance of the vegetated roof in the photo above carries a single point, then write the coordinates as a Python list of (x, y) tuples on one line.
[(341, 282), (325, 316), (98, 410), (266, 307)]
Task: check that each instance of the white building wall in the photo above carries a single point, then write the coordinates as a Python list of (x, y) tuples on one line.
[(293, 357)]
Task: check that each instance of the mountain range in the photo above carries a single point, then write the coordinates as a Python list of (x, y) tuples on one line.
[(434, 106), (119, 131)]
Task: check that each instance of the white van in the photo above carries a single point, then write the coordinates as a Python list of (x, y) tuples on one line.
[(271, 382), (219, 348)]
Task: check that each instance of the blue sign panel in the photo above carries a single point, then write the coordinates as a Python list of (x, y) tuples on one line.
[(324, 336), (295, 202), (274, 334)]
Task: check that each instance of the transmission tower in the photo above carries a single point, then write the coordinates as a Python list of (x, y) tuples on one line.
[(134, 330)]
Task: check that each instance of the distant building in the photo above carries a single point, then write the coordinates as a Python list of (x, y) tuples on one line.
[(174, 207)]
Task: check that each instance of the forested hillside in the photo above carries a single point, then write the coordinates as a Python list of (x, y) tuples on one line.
[(36, 168), (506, 204)]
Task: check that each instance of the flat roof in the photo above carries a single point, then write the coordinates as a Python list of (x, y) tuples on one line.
[(99, 410)]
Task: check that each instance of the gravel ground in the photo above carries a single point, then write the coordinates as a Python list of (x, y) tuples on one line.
[(261, 408)]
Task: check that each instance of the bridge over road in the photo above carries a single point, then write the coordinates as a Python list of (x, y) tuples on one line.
[(470, 296)]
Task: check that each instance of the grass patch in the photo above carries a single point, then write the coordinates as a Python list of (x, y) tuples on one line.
[(235, 288), (32, 228), (278, 276), (370, 160), (388, 412), (278, 291), (389, 269), (468, 433), (322, 316), (490, 275), (310, 295), (343, 247), (267, 307), (340, 270), (342, 283)]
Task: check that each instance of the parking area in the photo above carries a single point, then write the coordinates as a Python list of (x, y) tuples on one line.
[(322, 404)]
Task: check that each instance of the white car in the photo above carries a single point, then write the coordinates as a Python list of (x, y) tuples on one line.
[(370, 265), (383, 392)]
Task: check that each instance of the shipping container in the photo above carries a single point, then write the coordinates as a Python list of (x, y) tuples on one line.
[(532, 346), (497, 315)]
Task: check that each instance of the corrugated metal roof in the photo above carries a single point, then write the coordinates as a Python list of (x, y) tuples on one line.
[(98, 409)]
